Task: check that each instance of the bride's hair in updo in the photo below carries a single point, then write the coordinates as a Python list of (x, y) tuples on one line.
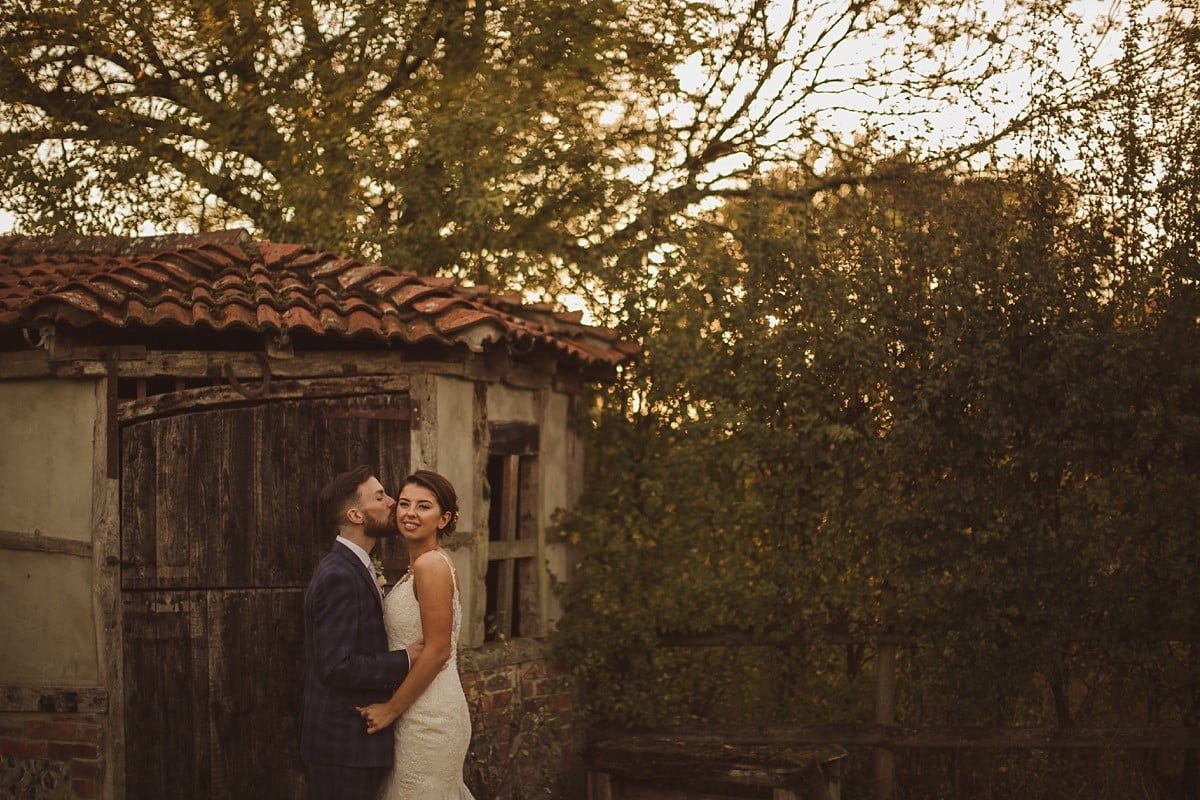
[(442, 489)]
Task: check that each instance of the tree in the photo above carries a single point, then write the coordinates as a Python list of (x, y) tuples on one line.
[(562, 142), (975, 389)]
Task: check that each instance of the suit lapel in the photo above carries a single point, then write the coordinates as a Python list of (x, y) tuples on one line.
[(360, 569)]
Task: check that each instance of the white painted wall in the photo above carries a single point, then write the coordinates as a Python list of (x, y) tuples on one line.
[(46, 456), (47, 627)]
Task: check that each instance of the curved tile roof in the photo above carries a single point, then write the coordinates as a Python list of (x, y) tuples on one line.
[(227, 281)]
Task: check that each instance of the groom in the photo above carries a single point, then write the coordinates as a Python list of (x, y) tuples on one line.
[(347, 662)]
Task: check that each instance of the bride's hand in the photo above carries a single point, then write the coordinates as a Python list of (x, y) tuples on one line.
[(377, 716)]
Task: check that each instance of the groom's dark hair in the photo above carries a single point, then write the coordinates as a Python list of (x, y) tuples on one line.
[(338, 494)]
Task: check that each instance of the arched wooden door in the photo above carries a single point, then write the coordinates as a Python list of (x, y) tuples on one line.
[(218, 541)]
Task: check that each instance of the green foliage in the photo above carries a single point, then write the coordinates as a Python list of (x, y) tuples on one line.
[(551, 144), (978, 391)]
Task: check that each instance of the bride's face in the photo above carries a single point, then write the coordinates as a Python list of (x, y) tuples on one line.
[(418, 515)]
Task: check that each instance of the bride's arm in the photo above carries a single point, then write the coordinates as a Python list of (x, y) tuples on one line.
[(434, 587)]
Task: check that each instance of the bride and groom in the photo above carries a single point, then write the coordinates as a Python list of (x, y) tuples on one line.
[(384, 715)]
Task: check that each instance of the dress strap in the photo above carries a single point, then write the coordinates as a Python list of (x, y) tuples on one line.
[(450, 564), (449, 561)]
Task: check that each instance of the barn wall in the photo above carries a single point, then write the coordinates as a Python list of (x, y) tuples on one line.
[(456, 460), (46, 488), (521, 700), (51, 741), (46, 627), (46, 460), (563, 456)]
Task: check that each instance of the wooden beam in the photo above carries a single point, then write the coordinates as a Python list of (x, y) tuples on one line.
[(423, 425), (539, 569), (506, 570), (522, 548), (474, 617), (740, 638), (54, 699), (39, 543), (106, 592), (513, 438), (137, 362), (884, 759), (934, 737), (224, 395)]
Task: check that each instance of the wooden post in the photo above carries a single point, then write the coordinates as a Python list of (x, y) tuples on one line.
[(599, 786), (885, 703), (508, 533)]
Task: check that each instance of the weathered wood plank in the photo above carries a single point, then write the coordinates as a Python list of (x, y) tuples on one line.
[(599, 785), (38, 542), (224, 497), (225, 395), (256, 681), (506, 572), (474, 617), (54, 699), (25, 364), (139, 505), (137, 362), (523, 549), (535, 580), (423, 427), (106, 594), (167, 696), (513, 438)]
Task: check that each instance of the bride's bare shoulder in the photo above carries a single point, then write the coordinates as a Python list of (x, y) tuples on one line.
[(431, 564)]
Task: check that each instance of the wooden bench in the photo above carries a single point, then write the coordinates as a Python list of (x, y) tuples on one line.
[(656, 767)]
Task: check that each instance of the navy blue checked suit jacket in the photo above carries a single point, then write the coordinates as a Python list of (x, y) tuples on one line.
[(347, 664)]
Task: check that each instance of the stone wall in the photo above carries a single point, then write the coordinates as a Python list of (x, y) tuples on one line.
[(50, 756)]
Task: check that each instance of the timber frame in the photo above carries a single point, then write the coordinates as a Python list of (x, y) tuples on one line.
[(206, 379)]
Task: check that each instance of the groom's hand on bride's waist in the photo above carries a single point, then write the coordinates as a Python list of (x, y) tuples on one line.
[(414, 651)]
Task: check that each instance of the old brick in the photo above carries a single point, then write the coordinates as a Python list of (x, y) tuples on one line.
[(83, 788), (24, 748), (85, 769), (88, 733), (65, 750), (500, 699), (50, 730), (503, 680)]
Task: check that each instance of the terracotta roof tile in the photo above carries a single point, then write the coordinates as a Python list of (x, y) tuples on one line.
[(227, 280)]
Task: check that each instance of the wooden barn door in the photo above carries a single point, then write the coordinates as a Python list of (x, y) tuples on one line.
[(218, 541)]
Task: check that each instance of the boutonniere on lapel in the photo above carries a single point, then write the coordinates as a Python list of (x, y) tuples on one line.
[(380, 578)]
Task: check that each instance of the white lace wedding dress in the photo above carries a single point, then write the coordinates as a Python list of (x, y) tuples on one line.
[(432, 736)]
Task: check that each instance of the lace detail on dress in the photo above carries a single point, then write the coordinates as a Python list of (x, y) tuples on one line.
[(433, 734)]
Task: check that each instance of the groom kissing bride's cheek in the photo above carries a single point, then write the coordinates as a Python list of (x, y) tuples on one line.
[(384, 714)]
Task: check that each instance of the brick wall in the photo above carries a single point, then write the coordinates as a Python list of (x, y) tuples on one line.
[(524, 742), (50, 756)]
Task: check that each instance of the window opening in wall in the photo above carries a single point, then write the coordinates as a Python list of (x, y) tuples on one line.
[(512, 576)]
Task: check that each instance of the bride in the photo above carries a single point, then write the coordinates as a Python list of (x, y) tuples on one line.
[(433, 726)]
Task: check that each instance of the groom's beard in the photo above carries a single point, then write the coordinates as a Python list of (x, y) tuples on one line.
[(380, 530)]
